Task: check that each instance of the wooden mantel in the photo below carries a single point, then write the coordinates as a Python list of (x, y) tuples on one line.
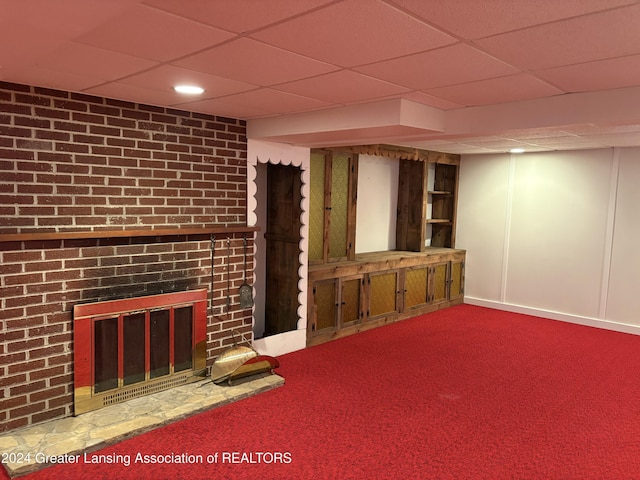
[(96, 234)]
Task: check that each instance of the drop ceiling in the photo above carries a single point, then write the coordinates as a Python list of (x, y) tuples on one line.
[(458, 76)]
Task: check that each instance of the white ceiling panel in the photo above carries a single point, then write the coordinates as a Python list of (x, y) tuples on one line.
[(164, 77), (504, 89), (343, 87), (473, 19), (358, 35), (80, 59), (590, 76), (250, 61), (238, 16), (437, 68), (597, 36), (150, 33)]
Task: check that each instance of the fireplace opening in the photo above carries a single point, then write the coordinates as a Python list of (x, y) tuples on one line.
[(127, 348)]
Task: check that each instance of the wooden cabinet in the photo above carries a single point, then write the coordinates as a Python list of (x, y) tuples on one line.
[(336, 303), (446, 281), (332, 206), (427, 190), (380, 288)]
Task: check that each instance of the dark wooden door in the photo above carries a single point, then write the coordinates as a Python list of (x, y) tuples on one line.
[(282, 235)]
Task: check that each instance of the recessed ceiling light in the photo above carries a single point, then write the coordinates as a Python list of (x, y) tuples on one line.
[(189, 89), (517, 150)]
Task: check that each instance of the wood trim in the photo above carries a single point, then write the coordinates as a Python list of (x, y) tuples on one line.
[(96, 234), (402, 153), (352, 206), (378, 261), (328, 165)]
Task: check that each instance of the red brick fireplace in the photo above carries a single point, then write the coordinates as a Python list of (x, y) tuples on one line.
[(103, 200)]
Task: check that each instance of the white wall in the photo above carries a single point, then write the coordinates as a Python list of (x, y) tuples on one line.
[(551, 234), (377, 203), (623, 297)]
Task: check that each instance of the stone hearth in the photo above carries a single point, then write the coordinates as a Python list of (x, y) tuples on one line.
[(100, 428)]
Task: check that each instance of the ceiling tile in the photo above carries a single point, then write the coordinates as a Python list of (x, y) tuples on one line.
[(569, 42), (30, 30), (563, 140), (473, 19), (253, 62), (537, 133), (613, 139), (57, 79), (238, 15), (79, 59), (599, 75), (164, 77), (449, 65), (342, 87), (133, 94), (63, 17), (601, 129), (221, 108), (271, 100), (496, 90), (357, 35), (423, 98), (502, 144), (149, 33)]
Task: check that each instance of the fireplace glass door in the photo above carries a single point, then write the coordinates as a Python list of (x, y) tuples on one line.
[(143, 346), (147, 344)]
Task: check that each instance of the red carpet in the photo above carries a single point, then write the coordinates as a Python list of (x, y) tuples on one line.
[(463, 393)]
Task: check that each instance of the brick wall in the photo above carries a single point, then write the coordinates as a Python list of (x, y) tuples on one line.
[(70, 163)]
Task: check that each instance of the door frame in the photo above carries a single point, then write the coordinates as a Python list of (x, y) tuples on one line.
[(258, 153)]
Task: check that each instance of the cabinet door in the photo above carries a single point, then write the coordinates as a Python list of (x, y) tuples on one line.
[(446, 281), (332, 206), (416, 287), (383, 293), (439, 282), (456, 283), (317, 218), (325, 302), (350, 301)]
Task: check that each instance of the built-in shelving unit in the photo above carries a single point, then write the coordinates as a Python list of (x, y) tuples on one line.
[(427, 188), (361, 291)]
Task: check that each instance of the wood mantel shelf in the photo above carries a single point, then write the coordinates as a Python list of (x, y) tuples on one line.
[(95, 234)]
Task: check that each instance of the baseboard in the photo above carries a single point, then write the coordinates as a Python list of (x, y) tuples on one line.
[(563, 317), (281, 343)]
